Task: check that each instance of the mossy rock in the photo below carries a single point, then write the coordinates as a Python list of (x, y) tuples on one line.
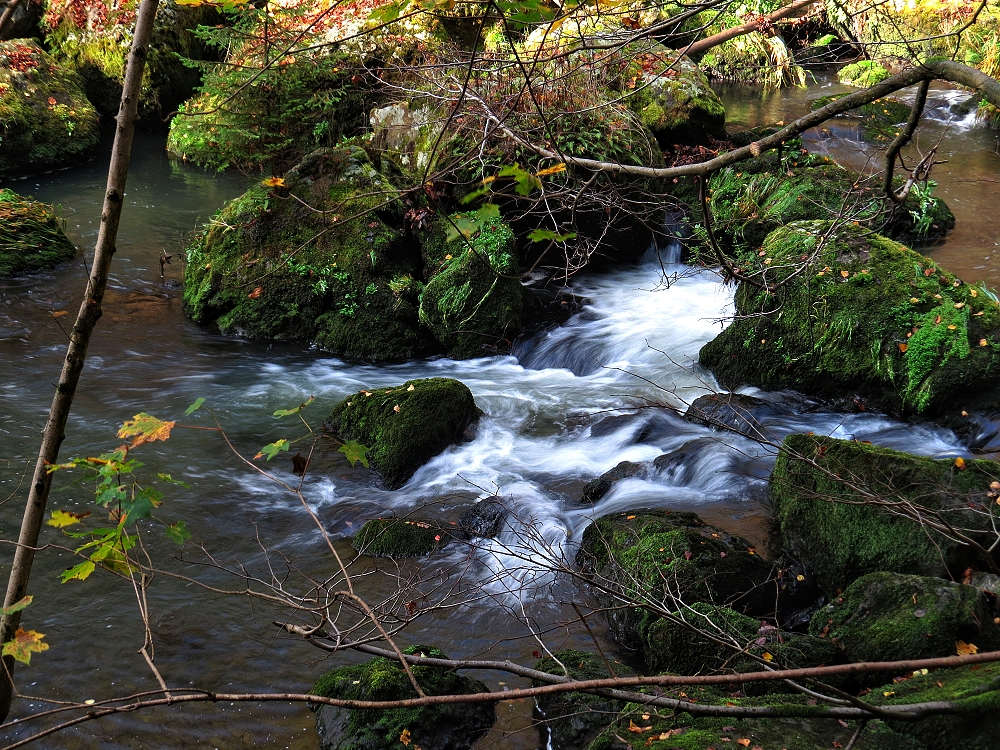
[(31, 236), (46, 121), (867, 316), (880, 119), (268, 266), (406, 426), (671, 646), (572, 720), (976, 690), (839, 542), (453, 726), (473, 300), (668, 557), (664, 729), (862, 74), (401, 537), (891, 616)]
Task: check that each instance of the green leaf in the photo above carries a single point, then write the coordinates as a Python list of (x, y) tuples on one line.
[(273, 449), (545, 235), (61, 519), (194, 407), (168, 478), (466, 225), (142, 503), (79, 572), (296, 410), (355, 452), (25, 643), (17, 606), (524, 181), (178, 533), (389, 13)]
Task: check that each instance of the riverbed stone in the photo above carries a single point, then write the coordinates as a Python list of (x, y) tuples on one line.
[(46, 121), (401, 537), (867, 317), (405, 426), (484, 520), (31, 236), (596, 489), (819, 487), (454, 726), (668, 558), (891, 616)]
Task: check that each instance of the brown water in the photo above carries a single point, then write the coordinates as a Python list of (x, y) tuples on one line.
[(544, 435)]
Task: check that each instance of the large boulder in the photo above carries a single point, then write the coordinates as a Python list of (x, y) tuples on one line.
[(449, 726), (834, 501), (46, 121), (31, 236), (891, 617), (859, 314), (406, 426), (401, 537), (662, 560), (268, 266)]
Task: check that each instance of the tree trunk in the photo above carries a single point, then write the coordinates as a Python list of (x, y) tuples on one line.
[(8, 14), (76, 352)]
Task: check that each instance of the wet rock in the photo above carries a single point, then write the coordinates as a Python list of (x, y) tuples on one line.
[(454, 726), (890, 616), (867, 316), (819, 487), (485, 519), (46, 121), (721, 410), (31, 237), (572, 720), (401, 537), (670, 557), (406, 426), (595, 489), (677, 462)]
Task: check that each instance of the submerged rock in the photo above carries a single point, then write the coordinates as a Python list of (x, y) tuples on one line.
[(453, 726), (867, 316), (46, 121), (401, 537), (31, 237), (406, 426), (819, 490), (484, 520), (596, 489)]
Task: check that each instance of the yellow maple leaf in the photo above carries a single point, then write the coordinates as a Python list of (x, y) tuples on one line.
[(557, 169), (405, 737), (966, 649), (61, 519), (145, 428), (273, 182), (25, 643)]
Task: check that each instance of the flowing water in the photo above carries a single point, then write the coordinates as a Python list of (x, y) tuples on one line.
[(569, 404)]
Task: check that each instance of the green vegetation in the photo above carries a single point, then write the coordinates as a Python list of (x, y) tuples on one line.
[(401, 537), (862, 74), (840, 541), (31, 236), (867, 316), (407, 425), (46, 121)]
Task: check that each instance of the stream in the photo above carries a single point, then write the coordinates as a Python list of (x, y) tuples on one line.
[(567, 405)]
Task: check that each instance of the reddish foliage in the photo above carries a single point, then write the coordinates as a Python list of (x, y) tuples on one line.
[(20, 58)]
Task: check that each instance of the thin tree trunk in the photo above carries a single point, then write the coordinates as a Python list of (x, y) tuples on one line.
[(8, 14), (76, 352)]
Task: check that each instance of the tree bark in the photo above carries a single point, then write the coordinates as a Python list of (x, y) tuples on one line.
[(83, 327), (756, 25), (8, 14)]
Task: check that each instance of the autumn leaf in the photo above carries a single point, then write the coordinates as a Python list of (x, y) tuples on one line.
[(273, 449), (903, 348), (25, 643), (405, 737), (17, 606), (59, 313), (355, 452), (557, 169), (145, 428), (960, 463), (255, 293), (743, 741), (966, 649), (273, 182), (637, 729)]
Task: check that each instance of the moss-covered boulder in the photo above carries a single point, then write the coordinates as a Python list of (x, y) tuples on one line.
[(406, 426), (662, 558), (451, 726), (401, 537), (975, 690), (268, 266), (833, 501), (862, 74), (46, 121), (891, 617), (859, 314), (708, 639), (473, 299), (31, 236), (571, 720)]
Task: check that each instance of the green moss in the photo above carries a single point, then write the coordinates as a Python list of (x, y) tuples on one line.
[(840, 541), (454, 726), (473, 299), (400, 537), (844, 326), (322, 277), (31, 236), (406, 426), (863, 74), (46, 121)]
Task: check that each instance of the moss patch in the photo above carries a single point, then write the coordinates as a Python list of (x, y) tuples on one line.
[(862, 74), (400, 537), (31, 237), (406, 426), (867, 316), (840, 541), (46, 121)]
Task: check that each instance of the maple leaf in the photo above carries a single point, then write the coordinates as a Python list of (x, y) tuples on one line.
[(405, 737), (17, 606), (145, 428), (273, 182), (61, 519), (966, 649), (25, 643), (355, 452), (273, 449)]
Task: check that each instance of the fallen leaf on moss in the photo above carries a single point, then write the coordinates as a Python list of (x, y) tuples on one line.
[(966, 649)]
